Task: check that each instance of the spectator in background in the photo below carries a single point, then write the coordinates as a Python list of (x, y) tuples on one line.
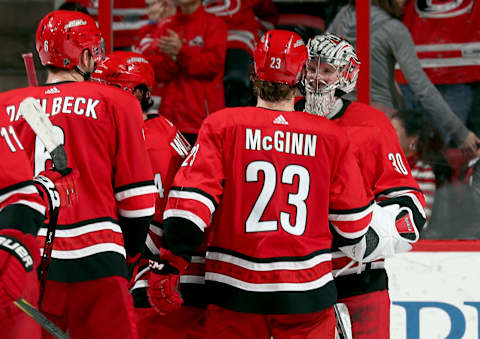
[(421, 144), (191, 62), (145, 42), (246, 22), (446, 38), (390, 43)]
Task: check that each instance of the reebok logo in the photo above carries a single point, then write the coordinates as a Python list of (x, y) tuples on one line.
[(53, 90), (280, 120)]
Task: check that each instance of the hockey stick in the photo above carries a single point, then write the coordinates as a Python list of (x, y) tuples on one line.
[(30, 69), (36, 315), (342, 323), (36, 117)]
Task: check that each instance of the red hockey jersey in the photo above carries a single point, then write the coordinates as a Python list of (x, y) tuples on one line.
[(387, 173), (194, 83), (16, 186), (167, 148), (102, 130), (446, 38), (243, 19), (274, 180)]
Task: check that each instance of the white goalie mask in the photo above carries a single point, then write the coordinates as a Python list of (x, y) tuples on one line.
[(332, 65)]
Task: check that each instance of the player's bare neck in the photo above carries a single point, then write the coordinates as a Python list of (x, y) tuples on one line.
[(284, 105), (60, 75)]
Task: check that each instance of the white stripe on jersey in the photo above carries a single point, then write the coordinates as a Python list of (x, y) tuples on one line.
[(354, 270), (350, 235), (271, 266), (270, 287), (133, 192), (196, 259), (137, 213), (193, 196), (88, 251), (74, 232), (156, 230), (33, 205), (192, 279), (186, 215), (350, 216), (151, 245), (139, 284), (30, 189)]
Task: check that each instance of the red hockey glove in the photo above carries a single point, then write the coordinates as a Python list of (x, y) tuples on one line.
[(164, 282), (19, 255), (58, 190)]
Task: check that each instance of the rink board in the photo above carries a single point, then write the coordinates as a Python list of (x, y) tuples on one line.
[(435, 291)]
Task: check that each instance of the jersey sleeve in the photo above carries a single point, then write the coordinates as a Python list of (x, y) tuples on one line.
[(386, 170), (166, 155), (133, 178), (196, 191), (21, 206), (350, 199)]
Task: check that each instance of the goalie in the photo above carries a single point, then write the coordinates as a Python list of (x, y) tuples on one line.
[(398, 216)]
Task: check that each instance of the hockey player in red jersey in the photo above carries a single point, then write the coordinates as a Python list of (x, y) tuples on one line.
[(167, 149), (398, 215), (24, 204), (265, 181), (102, 130)]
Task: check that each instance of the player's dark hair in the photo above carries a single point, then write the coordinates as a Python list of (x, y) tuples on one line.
[(390, 6)]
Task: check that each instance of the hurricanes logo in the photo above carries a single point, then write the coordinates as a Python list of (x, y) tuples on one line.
[(437, 9)]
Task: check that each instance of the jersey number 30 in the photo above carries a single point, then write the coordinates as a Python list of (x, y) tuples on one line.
[(253, 223)]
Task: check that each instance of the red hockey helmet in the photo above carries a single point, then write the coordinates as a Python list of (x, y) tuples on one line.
[(125, 69), (63, 35), (280, 57)]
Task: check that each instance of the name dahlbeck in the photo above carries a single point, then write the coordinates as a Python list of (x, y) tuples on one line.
[(281, 141)]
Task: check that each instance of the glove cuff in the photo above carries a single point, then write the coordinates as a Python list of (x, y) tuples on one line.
[(21, 246)]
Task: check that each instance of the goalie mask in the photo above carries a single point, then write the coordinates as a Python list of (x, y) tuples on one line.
[(332, 68), (129, 71), (63, 35)]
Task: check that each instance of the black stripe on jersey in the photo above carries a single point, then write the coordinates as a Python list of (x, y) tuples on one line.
[(339, 241), (21, 217), (267, 260), (86, 222), (181, 236), (351, 211), (133, 185), (159, 224), (370, 280), (406, 201), (100, 265), (195, 190), (396, 189), (194, 295), (297, 302), (16, 186), (140, 298)]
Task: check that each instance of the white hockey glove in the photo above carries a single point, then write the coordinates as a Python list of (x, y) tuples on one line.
[(391, 231)]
